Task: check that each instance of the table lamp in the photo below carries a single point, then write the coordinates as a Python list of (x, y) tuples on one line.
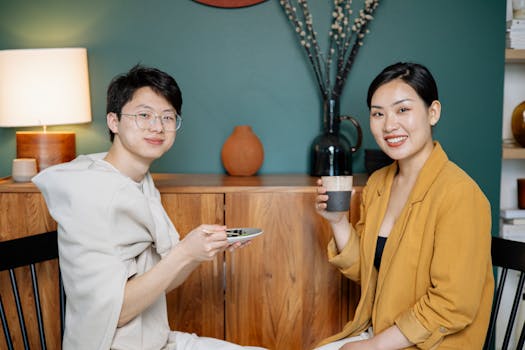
[(41, 87)]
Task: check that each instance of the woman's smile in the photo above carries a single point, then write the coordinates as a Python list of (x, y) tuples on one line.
[(395, 140)]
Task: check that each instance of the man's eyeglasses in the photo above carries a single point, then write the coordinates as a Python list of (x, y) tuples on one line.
[(170, 121)]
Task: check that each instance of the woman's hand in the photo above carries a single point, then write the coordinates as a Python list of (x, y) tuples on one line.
[(320, 205), (390, 339), (359, 345), (204, 242), (338, 220)]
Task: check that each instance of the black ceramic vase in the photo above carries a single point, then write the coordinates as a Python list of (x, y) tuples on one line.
[(331, 152)]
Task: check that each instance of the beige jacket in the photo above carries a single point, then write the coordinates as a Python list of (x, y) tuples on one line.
[(436, 281), (110, 228)]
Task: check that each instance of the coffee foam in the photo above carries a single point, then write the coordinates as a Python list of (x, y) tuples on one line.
[(337, 183)]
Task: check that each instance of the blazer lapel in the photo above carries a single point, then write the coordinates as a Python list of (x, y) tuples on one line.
[(375, 213), (426, 177)]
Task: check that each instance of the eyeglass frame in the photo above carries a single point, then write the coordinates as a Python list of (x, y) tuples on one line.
[(178, 120)]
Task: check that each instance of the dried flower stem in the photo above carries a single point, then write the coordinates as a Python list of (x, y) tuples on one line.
[(302, 22), (344, 42)]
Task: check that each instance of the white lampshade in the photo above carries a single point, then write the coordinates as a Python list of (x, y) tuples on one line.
[(44, 87)]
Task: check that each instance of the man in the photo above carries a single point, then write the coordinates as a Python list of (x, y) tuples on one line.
[(119, 252)]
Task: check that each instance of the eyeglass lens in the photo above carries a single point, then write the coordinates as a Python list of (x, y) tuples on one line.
[(169, 121)]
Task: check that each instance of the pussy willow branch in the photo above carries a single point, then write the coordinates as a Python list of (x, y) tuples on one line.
[(346, 35), (311, 37), (344, 42), (306, 36), (362, 30)]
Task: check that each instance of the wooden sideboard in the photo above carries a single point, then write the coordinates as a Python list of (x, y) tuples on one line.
[(279, 292)]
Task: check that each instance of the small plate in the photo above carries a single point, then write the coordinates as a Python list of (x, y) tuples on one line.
[(241, 234)]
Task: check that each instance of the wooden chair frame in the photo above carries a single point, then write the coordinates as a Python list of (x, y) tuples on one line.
[(509, 255), (29, 251)]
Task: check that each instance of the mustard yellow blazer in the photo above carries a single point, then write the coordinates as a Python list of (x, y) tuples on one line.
[(435, 281)]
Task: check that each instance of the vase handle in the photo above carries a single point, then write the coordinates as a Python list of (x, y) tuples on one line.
[(359, 131)]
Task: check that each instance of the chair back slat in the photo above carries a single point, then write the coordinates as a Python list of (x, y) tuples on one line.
[(41, 333), (521, 341), (7, 334), (36, 248), (491, 333), (513, 312), (62, 297), (508, 255), (18, 303), (23, 254)]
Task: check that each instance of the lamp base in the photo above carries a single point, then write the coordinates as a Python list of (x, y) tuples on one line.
[(48, 148)]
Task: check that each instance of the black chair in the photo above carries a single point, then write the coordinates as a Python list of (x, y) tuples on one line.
[(22, 253), (509, 255)]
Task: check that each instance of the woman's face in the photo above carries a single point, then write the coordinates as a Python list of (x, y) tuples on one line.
[(401, 122)]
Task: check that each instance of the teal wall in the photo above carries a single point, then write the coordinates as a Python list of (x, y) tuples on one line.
[(244, 66)]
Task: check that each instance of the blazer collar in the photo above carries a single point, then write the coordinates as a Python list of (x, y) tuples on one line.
[(428, 174)]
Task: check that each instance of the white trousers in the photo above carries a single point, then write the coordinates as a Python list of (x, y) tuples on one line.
[(336, 345), (188, 341)]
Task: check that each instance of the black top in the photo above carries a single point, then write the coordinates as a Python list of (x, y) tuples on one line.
[(379, 251)]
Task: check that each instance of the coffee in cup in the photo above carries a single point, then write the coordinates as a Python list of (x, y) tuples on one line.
[(339, 191)]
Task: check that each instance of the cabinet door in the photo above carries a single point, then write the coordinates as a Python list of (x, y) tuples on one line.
[(23, 214), (281, 292), (197, 306)]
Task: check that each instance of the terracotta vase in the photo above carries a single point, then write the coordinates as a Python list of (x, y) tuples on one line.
[(518, 124), (242, 153)]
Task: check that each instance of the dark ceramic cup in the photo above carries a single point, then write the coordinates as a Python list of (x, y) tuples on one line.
[(339, 191)]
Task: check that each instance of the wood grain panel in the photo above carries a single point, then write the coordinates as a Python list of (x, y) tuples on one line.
[(48, 148), (47, 274), (23, 214), (216, 183), (197, 306), (281, 292)]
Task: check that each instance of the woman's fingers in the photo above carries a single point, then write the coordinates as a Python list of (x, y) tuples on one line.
[(320, 202)]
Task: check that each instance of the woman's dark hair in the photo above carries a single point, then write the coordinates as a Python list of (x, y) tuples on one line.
[(414, 74), (122, 88)]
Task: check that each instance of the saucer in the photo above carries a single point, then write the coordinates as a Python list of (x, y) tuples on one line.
[(241, 234)]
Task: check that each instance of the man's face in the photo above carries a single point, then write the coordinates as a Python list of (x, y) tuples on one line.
[(151, 141)]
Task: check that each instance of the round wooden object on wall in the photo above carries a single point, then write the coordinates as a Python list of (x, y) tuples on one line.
[(242, 153), (230, 3)]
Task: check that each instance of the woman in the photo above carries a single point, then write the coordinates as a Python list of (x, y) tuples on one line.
[(421, 249)]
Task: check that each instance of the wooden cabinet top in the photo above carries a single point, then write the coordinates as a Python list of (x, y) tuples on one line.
[(213, 183)]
